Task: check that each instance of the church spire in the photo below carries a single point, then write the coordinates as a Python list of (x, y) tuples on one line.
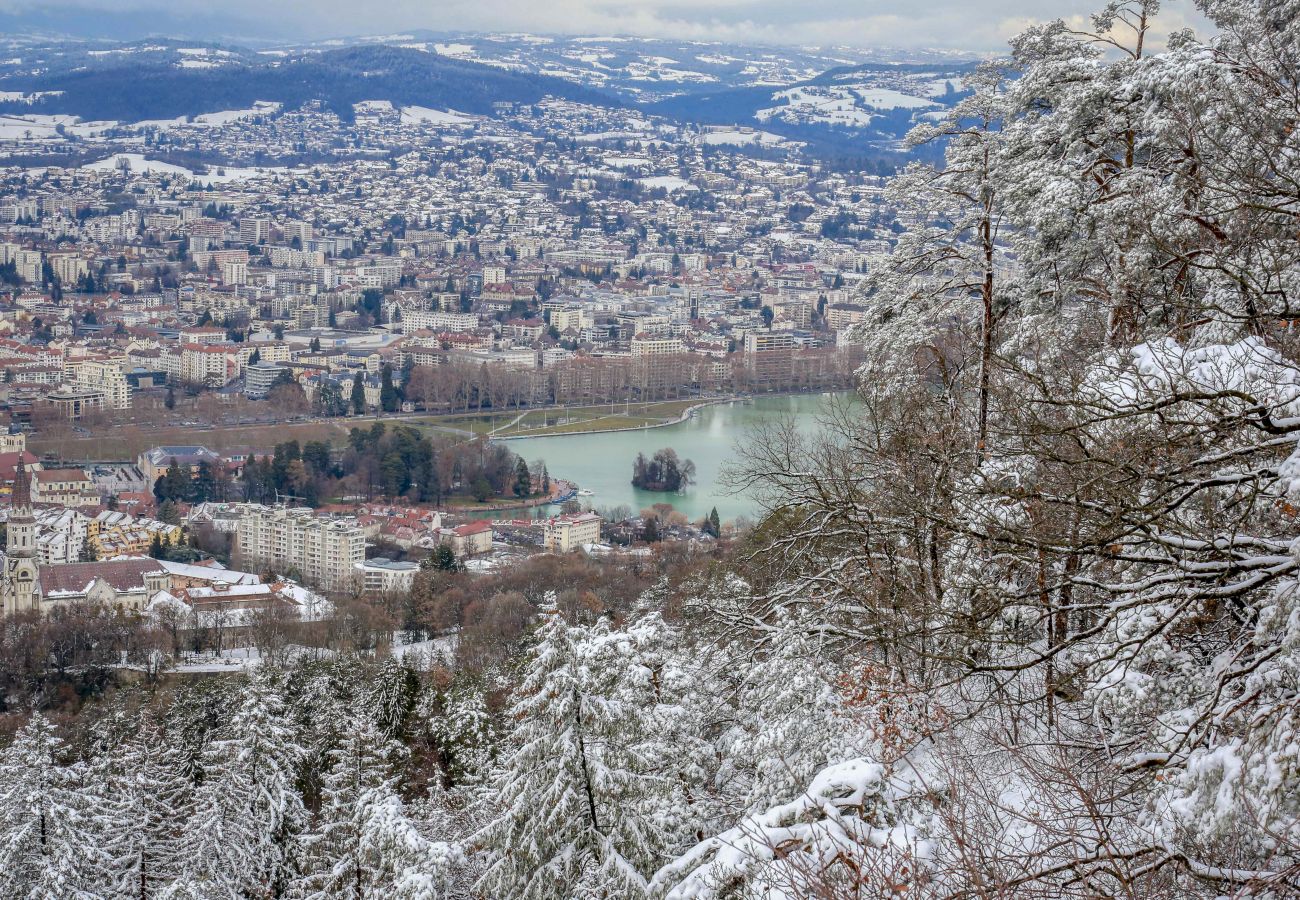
[(22, 496)]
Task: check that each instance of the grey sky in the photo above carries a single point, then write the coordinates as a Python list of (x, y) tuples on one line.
[(958, 24)]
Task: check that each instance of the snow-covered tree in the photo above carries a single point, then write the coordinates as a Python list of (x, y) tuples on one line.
[(364, 843), (460, 726), (573, 802), (392, 695), (139, 784), (50, 831), (941, 285), (242, 837)]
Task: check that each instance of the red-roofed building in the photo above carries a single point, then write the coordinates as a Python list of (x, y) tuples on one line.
[(469, 539)]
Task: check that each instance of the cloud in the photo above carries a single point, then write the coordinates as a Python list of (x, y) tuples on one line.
[(955, 24)]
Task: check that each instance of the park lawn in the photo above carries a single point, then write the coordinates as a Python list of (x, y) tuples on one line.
[(597, 424), (599, 418)]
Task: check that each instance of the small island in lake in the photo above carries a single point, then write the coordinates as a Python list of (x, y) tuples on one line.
[(662, 472)]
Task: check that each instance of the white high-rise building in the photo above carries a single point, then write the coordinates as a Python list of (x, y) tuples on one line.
[(106, 376), (324, 552)]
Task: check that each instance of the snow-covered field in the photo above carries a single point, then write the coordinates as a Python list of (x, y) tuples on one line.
[(423, 115), (218, 174), (225, 117), (425, 654), (668, 182), (46, 127), (742, 138), (848, 105)]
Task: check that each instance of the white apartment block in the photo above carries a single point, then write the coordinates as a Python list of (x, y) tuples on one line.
[(571, 317), (656, 345), (234, 273), (565, 533), (102, 375), (28, 264), (288, 258), (254, 230), (385, 576), (325, 552), (68, 267), (421, 319), (206, 365), (60, 536)]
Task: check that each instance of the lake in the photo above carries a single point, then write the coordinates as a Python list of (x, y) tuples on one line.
[(602, 463)]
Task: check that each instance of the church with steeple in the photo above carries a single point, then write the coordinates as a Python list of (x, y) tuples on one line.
[(127, 583), (19, 588)]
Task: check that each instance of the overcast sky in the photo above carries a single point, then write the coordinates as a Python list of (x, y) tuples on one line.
[(982, 25)]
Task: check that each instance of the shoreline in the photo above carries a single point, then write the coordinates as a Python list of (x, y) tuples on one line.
[(682, 417)]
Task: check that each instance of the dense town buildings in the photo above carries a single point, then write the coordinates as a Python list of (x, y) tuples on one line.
[(550, 255)]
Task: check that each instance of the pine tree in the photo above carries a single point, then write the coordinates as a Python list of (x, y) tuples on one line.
[(713, 524), (391, 697), (464, 732), (389, 398), (358, 395), (247, 814), (523, 485), (578, 804), (364, 843), (50, 842), (139, 785)]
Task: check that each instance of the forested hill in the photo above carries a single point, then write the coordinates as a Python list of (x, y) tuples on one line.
[(139, 88)]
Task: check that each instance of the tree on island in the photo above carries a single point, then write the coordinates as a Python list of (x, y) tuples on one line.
[(523, 479), (663, 472)]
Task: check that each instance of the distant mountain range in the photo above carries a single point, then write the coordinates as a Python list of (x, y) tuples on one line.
[(843, 100), (140, 83)]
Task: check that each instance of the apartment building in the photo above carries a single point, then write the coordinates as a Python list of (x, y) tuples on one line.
[(646, 344), (205, 364), (324, 552), (769, 358), (28, 264), (381, 576), (155, 462), (424, 319), (469, 539), (102, 375), (60, 535), (115, 533), (254, 230), (656, 361), (260, 377), (570, 317), (563, 534), (69, 268)]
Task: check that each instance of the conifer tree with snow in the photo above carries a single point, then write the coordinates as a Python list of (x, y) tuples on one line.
[(50, 831), (572, 798), (461, 728), (243, 832), (139, 786), (364, 843), (393, 691)]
